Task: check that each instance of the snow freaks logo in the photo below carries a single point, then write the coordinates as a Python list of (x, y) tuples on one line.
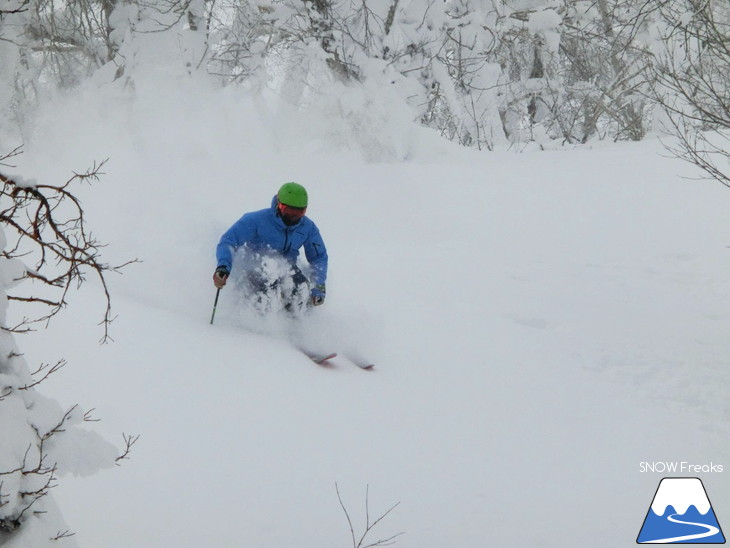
[(680, 513)]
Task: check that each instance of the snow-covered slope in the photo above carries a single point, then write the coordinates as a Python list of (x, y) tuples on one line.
[(542, 322)]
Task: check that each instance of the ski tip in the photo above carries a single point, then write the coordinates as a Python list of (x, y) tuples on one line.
[(366, 366), (321, 359)]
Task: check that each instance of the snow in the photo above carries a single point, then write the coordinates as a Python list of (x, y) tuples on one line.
[(542, 322), (680, 493), (546, 21)]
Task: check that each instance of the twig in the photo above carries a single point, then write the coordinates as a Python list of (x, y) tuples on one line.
[(347, 515), (368, 526), (48, 372), (129, 441), (63, 534)]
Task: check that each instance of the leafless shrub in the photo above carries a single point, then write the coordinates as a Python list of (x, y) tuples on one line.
[(50, 229)]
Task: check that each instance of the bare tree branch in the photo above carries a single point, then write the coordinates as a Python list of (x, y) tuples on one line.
[(388, 541), (49, 224), (129, 441), (47, 371)]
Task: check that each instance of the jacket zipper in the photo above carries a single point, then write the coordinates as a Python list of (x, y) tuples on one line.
[(286, 241)]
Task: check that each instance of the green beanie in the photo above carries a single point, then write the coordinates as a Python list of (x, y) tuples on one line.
[(292, 194)]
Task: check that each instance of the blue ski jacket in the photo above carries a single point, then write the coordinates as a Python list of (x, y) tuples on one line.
[(264, 230)]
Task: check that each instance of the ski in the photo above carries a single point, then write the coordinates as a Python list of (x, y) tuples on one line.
[(323, 359), (361, 362), (320, 358)]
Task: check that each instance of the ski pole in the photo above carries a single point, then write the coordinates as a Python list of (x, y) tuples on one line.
[(215, 304)]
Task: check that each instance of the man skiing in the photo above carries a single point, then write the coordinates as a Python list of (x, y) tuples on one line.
[(279, 231)]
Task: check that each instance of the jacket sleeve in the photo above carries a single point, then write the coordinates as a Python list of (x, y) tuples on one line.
[(316, 253), (241, 232)]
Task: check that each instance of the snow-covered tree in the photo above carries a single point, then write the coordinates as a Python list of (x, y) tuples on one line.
[(692, 83), (43, 42), (49, 44), (606, 48), (480, 72)]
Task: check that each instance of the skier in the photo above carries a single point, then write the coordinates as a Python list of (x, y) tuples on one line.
[(279, 231)]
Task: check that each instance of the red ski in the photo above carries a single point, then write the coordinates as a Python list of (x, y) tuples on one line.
[(320, 358)]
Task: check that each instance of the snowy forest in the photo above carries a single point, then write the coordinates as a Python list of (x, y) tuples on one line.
[(481, 73), (485, 76)]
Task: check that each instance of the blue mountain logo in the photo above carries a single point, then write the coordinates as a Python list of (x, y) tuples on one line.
[(681, 513)]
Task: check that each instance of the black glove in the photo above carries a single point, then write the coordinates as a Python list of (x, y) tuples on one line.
[(220, 276)]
